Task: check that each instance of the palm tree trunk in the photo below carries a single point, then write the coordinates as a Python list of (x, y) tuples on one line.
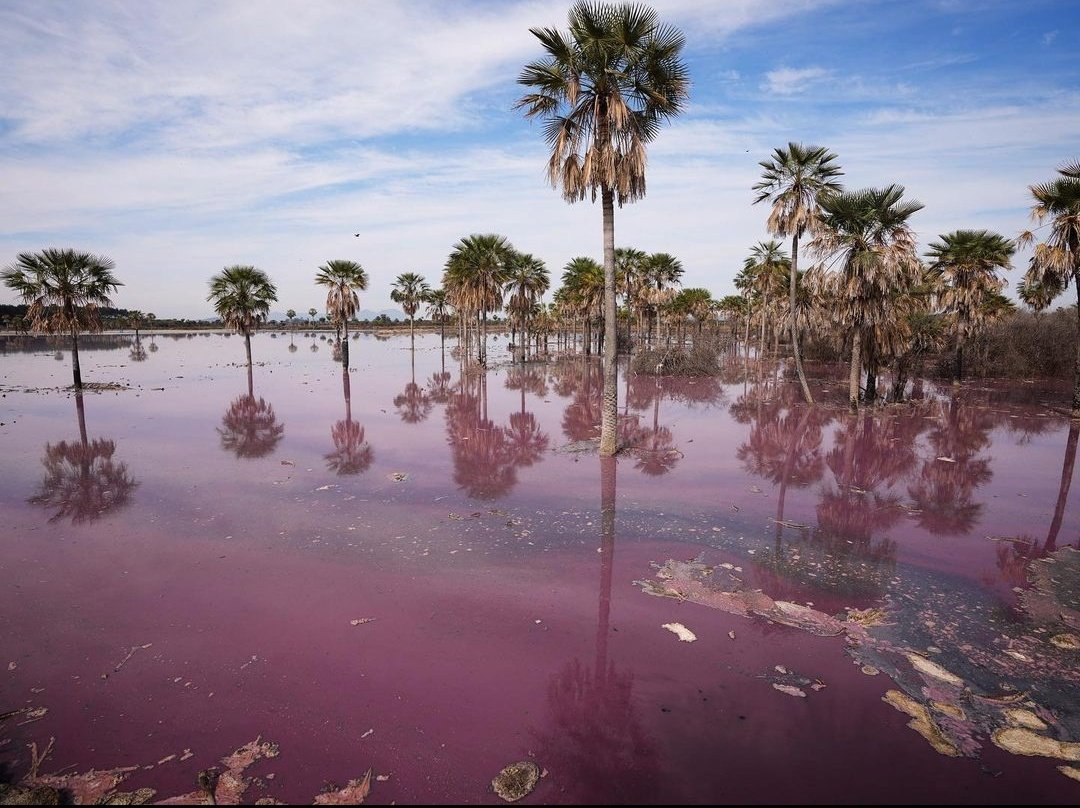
[(610, 413), (247, 346), (82, 417), (1063, 489), (1076, 367), (345, 347), (795, 331), (608, 467), (856, 368), (76, 371), (412, 332)]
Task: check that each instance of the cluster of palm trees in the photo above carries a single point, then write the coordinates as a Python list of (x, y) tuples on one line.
[(869, 291), (603, 89)]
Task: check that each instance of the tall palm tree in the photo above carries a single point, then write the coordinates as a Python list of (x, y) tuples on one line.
[(312, 312), (242, 296), (604, 88), (965, 264), (866, 234), (410, 290), (474, 277), (527, 279), (342, 279), (1056, 261), (64, 291), (438, 310), (793, 180)]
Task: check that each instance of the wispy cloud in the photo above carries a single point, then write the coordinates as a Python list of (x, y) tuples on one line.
[(789, 80), (1049, 37)]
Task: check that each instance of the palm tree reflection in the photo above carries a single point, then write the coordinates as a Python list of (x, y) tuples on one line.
[(944, 489), (1014, 556), (352, 454), (487, 456), (249, 427), (595, 738), (414, 404), (82, 480)]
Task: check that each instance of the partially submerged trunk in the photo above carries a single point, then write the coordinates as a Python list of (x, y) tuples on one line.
[(76, 371), (610, 412), (856, 368)]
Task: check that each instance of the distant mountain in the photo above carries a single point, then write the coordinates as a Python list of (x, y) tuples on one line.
[(362, 314)]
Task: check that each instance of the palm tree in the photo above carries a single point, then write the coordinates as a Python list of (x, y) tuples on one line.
[(64, 291), (604, 89), (290, 315), (1057, 258), (527, 279), (342, 280), (242, 296), (762, 276), (311, 315), (474, 277), (438, 309), (866, 233), (662, 272), (410, 290), (793, 180), (965, 264), (583, 287), (630, 274)]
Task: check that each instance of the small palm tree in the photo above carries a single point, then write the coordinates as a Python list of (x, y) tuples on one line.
[(603, 89), (964, 266), (527, 279), (1056, 261), (583, 291), (342, 280), (312, 313), (793, 180), (762, 277), (663, 272), (410, 290), (242, 296), (290, 315), (438, 309), (630, 276), (64, 291)]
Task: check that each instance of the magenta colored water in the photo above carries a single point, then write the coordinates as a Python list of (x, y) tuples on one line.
[(239, 537)]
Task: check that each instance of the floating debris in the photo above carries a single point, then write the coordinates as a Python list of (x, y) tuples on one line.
[(933, 670), (398, 476), (1021, 741), (921, 722), (682, 632), (516, 780), (359, 621), (354, 793), (791, 690)]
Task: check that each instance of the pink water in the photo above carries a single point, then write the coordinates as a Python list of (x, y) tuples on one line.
[(503, 624)]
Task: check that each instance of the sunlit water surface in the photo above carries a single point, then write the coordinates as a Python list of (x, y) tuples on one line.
[(405, 568)]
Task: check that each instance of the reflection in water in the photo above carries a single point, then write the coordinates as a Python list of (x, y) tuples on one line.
[(950, 476), (1013, 557), (137, 352), (249, 427), (352, 454), (82, 481), (486, 456), (413, 405), (595, 738)]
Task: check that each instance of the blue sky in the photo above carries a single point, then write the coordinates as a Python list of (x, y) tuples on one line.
[(180, 137)]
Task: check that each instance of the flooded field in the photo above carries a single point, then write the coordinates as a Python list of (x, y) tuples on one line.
[(428, 573)]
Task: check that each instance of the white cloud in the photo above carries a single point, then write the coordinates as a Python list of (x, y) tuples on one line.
[(788, 80), (1049, 37)]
